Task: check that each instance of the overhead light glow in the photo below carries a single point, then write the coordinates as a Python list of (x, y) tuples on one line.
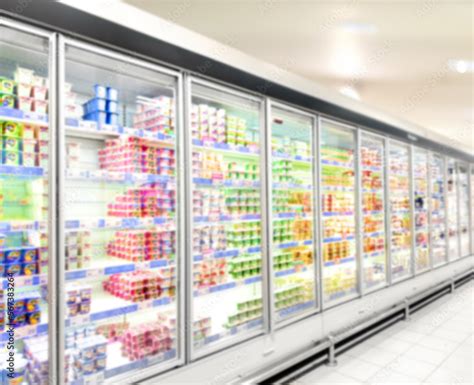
[(354, 27), (351, 92), (461, 66)]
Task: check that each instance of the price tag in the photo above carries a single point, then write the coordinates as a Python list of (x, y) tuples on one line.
[(95, 273), (79, 320), (145, 305)]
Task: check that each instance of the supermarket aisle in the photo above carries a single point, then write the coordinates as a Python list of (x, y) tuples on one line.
[(434, 347)]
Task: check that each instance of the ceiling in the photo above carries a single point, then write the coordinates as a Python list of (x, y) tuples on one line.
[(393, 54)]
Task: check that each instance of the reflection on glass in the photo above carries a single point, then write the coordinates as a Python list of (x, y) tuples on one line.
[(338, 213), (464, 209), (438, 210), (120, 208), (453, 230), (373, 212), (400, 216), (292, 188), (421, 205), (226, 209), (24, 213), (472, 208)]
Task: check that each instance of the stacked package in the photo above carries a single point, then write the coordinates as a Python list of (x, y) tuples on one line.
[(147, 339), (136, 286), (201, 328), (86, 354), (24, 145), (19, 261), (131, 154), (26, 309), (78, 250), (36, 352), (142, 245), (209, 239), (113, 331), (155, 115), (155, 200), (210, 272), (208, 202), (103, 107), (208, 165), (28, 92), (78, 298)]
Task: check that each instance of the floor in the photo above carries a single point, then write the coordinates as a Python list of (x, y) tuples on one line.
[(434, 347)]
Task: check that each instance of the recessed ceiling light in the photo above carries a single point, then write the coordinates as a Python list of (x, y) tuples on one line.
[(349, 91), (355, 27), (461, 66)]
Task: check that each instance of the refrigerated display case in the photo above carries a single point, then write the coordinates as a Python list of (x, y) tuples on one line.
[(421, 210), (438, 244), (338, 212), (120, 208), (26, 219), (399, 171), (374, 246), (463, 185), (226, 134), (471, 187), (452, 206), (293, 242)]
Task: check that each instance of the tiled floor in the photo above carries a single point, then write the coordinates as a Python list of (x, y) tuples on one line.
[(434, 347)]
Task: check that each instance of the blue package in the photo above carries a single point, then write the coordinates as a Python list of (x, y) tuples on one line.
[(29, 254), (112, 94), (94, 105), (99, 117), (112, 119), (112, 107), (100, 91)]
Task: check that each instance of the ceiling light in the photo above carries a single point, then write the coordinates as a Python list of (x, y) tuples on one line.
[(354, 27), (461, 66), (349, 91)]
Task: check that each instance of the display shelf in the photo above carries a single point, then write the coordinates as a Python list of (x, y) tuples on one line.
[(25, 332), (228, 253), (91, 130), (374, 254), (294, 270), (373, 212), (225, 148), (292, 216), (222, 219), (338, 239), (250, 325), (227, 286), (299, 307), (114, 307), (339, 261), (108, 267), (333, 214), (341, 294), (21, 172), (112, 371), (374, 234), (118, 223), (21, 225), (26, 280), (207, 182), (287, 245), (19, 116), (337, 164), (338, 189), (106, 176), (296, 159), (291, 186), (372, 168)]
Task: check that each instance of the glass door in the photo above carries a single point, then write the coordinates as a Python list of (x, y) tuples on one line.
[(120, 237), (226, 134), (293, 244), (421, 208), (400, 211), (374, 247), (338, 212), (26, 217), (437, 210), (452, 204), (472, 207), (464, 236)]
